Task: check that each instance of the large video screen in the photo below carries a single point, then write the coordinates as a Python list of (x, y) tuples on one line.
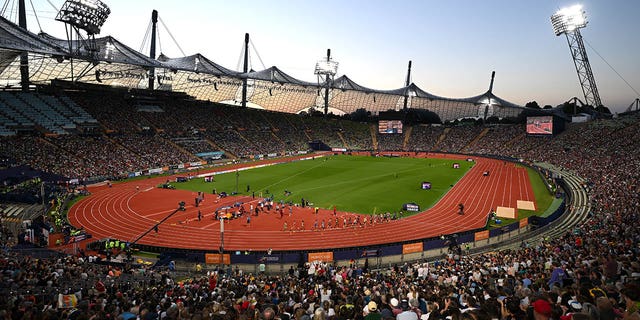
[(540, 125), (390, 126)]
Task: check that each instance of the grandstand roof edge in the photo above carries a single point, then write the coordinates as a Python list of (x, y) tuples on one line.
[(132, 56), (274, 74), (192, 62), (345, 83), (23, 40)]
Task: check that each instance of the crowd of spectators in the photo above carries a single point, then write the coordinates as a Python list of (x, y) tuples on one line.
[(458, 137), (390, 141), (424, 138), (357, 135), (589, 273), (194, 143), (498, 140)]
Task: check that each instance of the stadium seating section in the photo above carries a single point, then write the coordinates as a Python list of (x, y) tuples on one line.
[(589, 273)]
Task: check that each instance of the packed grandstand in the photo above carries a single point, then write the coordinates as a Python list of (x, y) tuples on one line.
[(74, 134)]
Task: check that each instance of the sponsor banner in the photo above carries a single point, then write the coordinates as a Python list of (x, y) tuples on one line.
[(181, 166), (339, 149), (271, 155), (302, 152), (131, 174), (195, 164), (214, 258), (78, 238), (412, 247), (186, 165), (269, 259), (411, 207), (215, 155), (524, 222), (481, 235), (370, 253), (156, 170), (45, 234), (165, 168), (74, 181), (137, 173), (326, 256)]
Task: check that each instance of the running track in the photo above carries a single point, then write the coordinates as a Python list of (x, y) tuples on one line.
[(124, 213)]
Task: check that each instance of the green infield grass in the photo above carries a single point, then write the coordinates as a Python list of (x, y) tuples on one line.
[(359, 184)]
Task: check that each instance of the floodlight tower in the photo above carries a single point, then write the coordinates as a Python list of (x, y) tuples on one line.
[(86, 15), (569, 21), (326, 70)]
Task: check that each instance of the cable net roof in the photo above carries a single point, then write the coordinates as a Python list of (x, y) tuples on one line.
[(107, 61), (12, 37)]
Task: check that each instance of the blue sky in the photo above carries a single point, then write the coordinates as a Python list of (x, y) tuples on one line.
[(454, 45)]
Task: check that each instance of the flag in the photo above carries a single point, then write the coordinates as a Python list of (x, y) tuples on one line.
[(66, 301)]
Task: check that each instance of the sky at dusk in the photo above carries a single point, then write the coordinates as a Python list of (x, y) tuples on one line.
[(454, 45)]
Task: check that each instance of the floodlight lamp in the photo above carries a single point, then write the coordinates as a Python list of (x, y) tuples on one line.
[(568, 19), (88, 15), (326, 66)]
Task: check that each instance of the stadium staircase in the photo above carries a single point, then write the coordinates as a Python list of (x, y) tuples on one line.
[(374, 136), (131, 151), (407, 137), (515, 139), (216, 147), (441, 138), (476, 139), (275, 136), (247, 141), (179, 147), (344, 141)]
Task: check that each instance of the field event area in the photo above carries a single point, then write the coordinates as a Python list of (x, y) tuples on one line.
[(359, 184)]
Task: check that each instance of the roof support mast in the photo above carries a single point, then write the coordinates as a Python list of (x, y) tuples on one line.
[(406, 84), (245, 69), (489, 96), (152, 53), (24, 56)]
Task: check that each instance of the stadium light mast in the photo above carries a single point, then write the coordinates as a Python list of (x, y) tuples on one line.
[(569, 21), (86, 15), (326, 70), (152, 52), (406, 84)]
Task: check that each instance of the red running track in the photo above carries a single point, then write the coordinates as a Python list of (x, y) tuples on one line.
[(125, 213)]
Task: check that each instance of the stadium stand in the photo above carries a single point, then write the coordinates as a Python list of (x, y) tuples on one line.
[(561, 273)]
